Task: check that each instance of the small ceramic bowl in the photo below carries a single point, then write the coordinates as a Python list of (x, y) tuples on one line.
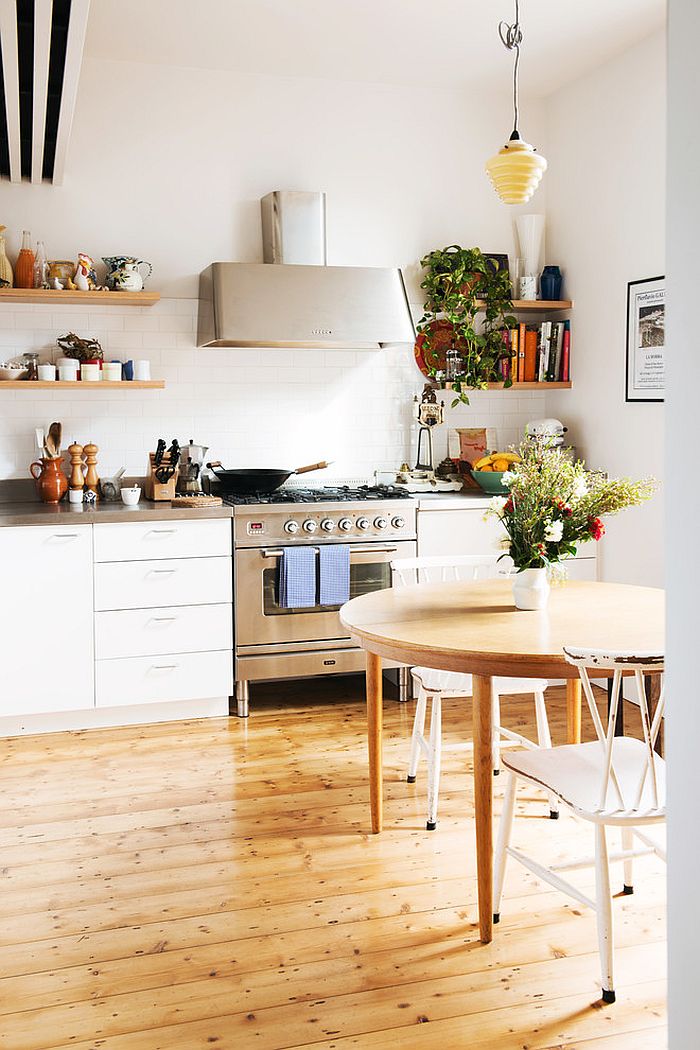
[(131, 496), (11, 372)]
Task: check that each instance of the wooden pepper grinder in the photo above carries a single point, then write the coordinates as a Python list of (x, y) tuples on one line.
[(77, 479), (91, 477)]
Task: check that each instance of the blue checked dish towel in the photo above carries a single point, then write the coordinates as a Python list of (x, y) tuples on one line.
[(334, 574), (297, 578)]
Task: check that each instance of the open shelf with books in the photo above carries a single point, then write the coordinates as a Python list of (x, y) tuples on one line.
[(539, 354)]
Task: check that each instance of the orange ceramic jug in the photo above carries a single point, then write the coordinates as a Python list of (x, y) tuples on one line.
[(51, 482)]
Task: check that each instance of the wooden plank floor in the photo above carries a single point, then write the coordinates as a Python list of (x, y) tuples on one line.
[(213, 883)]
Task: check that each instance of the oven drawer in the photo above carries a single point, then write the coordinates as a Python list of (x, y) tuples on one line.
[(145, 680), (150, 584), (301, 665), (155, 632), (145, 540)]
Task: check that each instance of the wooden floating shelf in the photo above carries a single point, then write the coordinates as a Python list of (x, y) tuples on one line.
[(46, 295), (531, 386), (538, 304), (100, 384)]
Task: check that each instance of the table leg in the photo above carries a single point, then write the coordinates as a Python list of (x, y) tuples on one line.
[(374, 738), (483, 800), (573, 710)]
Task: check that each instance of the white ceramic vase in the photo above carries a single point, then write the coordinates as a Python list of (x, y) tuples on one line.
[(531, 589)]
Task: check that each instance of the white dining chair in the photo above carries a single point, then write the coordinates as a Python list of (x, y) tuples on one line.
[(612, 781), (433, 685)]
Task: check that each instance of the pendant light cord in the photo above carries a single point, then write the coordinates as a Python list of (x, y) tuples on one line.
[(512, 37)]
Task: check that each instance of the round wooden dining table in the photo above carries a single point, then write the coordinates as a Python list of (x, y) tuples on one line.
[(474, 628)]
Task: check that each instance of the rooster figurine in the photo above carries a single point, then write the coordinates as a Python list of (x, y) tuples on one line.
[(85, 276)]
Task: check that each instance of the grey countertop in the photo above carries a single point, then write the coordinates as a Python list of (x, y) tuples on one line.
[(451, 500), (35, 513)]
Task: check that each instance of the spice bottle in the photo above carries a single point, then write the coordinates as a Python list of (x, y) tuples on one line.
[(24, 267)]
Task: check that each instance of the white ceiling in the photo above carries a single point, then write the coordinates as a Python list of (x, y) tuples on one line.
[(449, 42)]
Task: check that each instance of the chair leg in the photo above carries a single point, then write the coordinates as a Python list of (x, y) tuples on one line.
[(496, 721), (628, 843), (544, 739), (504, 830), (434, 754), (604, 913), (418, 727)]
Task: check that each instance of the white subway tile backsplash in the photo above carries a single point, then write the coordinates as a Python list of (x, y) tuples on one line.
[(270, 406)]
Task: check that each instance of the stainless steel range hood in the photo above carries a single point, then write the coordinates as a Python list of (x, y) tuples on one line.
[(300, 303)]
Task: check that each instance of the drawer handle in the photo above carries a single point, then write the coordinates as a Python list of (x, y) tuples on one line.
[(162, 619), (160, 532), (161, 572), (64, 536), (163, 667)]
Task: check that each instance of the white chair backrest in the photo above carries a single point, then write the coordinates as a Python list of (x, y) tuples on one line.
[(642, 793), (439, 569)]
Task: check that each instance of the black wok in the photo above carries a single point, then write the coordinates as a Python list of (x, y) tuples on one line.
[(241, 481)]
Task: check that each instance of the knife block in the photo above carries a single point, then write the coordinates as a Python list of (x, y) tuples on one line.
[(157, 490)]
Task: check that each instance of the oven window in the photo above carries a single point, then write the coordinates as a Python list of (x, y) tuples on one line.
[(364, 577)]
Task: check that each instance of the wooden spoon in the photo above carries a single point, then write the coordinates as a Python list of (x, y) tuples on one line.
[(53, 440)]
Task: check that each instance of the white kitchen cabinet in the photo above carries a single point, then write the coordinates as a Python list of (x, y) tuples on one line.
[(447, 530), (149, 679), (46, 619), (155, 632), (150, 584), (150, 540)]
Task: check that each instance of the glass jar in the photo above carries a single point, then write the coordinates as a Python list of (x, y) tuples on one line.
[(31, 363), (24, 267)]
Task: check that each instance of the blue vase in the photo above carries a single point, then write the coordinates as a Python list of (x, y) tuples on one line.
[(550, 283)]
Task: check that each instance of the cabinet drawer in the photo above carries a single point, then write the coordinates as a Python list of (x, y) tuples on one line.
[(144, 680), (148, 540), (154, 632), (150, 584)]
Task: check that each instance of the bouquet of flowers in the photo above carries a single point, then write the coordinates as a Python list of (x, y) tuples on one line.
[(554, 504)]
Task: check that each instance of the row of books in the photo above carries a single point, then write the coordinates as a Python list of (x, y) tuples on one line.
[(537, 354)]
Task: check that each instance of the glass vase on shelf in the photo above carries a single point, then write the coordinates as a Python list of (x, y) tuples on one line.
[(41, 267), (24, 267)]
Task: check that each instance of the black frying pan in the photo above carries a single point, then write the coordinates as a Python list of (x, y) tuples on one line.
[(242, 481)]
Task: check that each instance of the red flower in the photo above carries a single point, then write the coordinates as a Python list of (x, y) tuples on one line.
[(596, 528), (508, 505), (565, 511)]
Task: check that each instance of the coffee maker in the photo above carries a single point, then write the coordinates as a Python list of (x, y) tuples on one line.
[(189, 482)]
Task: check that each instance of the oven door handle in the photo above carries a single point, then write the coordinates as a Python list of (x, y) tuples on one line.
[(370, 549)]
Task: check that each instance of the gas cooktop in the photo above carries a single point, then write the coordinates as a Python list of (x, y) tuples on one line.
[(341, 494)]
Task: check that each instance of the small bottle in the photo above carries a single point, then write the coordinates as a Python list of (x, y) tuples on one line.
[(24, 267), (6, 275), (41, 267)]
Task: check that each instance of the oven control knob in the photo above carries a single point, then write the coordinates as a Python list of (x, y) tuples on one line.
[(291, 526), (328, 525), (345, 524), (309, 526), (381, 523), (398, 522), (363, 523)]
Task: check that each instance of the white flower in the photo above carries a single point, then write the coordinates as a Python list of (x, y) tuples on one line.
[(497, 505), (580, 487), (554, 531), (507, 478)]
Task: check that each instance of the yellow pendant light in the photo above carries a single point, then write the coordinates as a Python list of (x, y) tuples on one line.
[(516, 171)]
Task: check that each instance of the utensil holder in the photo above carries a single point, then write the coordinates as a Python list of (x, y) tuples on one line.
[(156, 490)]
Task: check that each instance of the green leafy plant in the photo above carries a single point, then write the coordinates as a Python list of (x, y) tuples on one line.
[(554, 504), (462, 283)]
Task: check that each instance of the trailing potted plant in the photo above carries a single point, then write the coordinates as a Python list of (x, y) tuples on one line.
[(553, 505), (462, 283)]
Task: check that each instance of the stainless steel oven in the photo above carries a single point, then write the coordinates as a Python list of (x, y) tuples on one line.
[(275, 642)]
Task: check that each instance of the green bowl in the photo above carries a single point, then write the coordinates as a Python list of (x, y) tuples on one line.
[(490, 482)]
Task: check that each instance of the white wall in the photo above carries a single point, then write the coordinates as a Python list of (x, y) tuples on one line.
[(169, 164), (606, 226), (682, 514)]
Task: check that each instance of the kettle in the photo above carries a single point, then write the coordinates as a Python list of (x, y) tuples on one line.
[(189, 479)]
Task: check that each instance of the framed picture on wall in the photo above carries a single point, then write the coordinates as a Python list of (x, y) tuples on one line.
[(646, 340)]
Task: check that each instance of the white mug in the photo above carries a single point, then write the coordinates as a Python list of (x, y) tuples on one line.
[(90, 373), (142, 371), (112, 371), (67, 374), (75, 495), (47, 373)]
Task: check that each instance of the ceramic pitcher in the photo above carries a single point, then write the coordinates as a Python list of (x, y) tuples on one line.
[(128, 278), (51, 482)]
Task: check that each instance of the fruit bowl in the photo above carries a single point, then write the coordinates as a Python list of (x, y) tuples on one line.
[(490, 482)]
